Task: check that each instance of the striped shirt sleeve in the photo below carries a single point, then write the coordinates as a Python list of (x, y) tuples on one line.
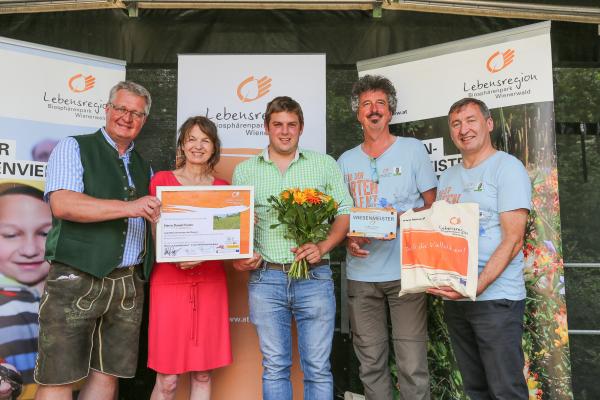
[(64, 170)]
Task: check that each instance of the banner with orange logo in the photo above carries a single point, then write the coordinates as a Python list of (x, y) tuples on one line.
[(511, 71), (234, 89), (47, 94), (516, 69)]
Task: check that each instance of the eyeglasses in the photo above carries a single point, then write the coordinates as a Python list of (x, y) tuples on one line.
[(122, 111), (374, 173)]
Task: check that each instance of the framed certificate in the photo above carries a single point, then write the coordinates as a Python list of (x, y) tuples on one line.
[(205, 223)]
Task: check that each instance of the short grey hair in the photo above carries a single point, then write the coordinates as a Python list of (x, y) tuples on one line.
[(457, 106), (369, 83), (134, 88)]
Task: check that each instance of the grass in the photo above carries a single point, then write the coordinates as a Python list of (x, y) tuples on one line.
[(226, 222)]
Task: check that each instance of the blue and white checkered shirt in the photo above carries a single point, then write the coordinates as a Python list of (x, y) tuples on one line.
[(65, 171)]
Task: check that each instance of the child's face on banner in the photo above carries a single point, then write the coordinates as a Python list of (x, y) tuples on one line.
[(24, 225)]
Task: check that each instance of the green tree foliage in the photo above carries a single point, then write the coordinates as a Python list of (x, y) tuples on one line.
[(579, 199), (577, 94)]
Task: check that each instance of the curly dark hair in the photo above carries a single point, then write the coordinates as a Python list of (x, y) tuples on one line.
[(370, 83)]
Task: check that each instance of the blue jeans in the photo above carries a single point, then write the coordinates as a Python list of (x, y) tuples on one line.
[(274, 299)]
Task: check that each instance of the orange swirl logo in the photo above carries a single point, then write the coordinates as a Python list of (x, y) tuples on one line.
[(251, 89), (79, 83), (498, 61), (455, 220)]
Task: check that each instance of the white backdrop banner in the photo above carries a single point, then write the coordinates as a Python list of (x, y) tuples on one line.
[(505, 69), (511, 71), (234, 89), (47, 94)]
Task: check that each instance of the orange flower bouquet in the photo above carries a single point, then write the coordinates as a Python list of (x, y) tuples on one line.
[(307, 215)]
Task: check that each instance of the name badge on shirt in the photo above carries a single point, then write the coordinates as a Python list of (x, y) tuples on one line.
[(391, 171)]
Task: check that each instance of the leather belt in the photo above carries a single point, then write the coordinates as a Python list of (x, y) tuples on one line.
[(286, 267)]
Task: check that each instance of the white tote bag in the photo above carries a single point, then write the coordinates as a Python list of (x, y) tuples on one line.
[(438, 247)]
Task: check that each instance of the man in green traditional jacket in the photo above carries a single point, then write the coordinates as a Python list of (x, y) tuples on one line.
[(99, 248)]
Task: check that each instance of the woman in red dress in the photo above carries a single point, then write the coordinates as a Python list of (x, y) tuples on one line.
[(189, 317)]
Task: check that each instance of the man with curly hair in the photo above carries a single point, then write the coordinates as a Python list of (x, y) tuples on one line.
[(385, 171)]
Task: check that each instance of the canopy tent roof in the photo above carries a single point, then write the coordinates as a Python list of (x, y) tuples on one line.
[(157, 36), (584, 11)]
